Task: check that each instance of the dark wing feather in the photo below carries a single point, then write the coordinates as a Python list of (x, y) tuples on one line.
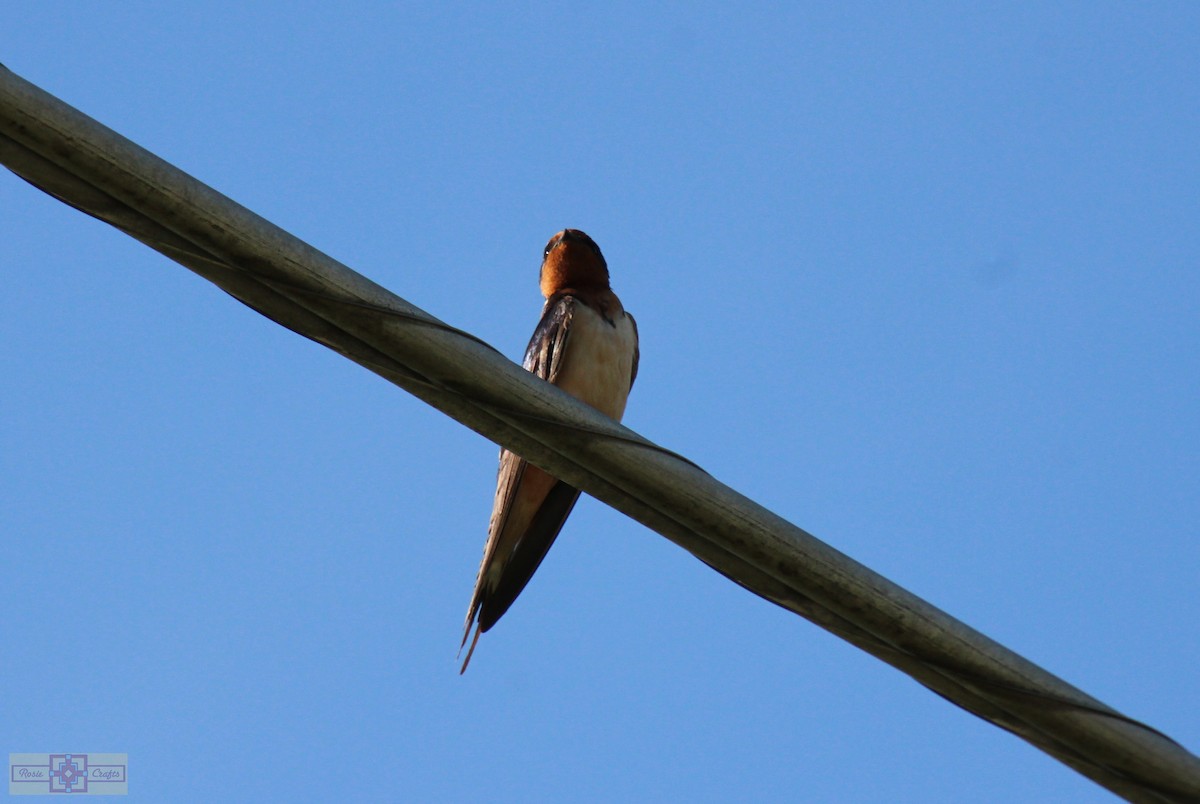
[(534, 545), (637, 350), (543, 358), (543, 355)]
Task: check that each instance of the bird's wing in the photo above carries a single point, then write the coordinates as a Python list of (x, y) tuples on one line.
[(530, 506), (637, 351)]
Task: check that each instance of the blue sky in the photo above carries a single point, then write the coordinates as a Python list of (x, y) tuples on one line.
[(925, 282)]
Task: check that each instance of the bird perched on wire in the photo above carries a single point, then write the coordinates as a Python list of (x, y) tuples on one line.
[(587, 345)]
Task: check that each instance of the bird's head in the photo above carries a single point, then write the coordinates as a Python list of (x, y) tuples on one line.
[(572, 261)]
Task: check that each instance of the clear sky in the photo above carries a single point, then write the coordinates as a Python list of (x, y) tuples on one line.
[(926, 283)]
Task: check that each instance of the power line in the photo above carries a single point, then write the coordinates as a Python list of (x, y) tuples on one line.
[(95, 170)]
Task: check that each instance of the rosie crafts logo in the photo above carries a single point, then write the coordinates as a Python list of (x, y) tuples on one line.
[(79, 774)]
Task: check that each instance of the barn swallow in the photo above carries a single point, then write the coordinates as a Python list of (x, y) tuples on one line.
[(587, 345)]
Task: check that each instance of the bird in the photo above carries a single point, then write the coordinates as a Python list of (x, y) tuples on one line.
[(587, 345)]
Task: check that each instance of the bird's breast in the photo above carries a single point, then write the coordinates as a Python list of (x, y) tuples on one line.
[(598, 366)]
